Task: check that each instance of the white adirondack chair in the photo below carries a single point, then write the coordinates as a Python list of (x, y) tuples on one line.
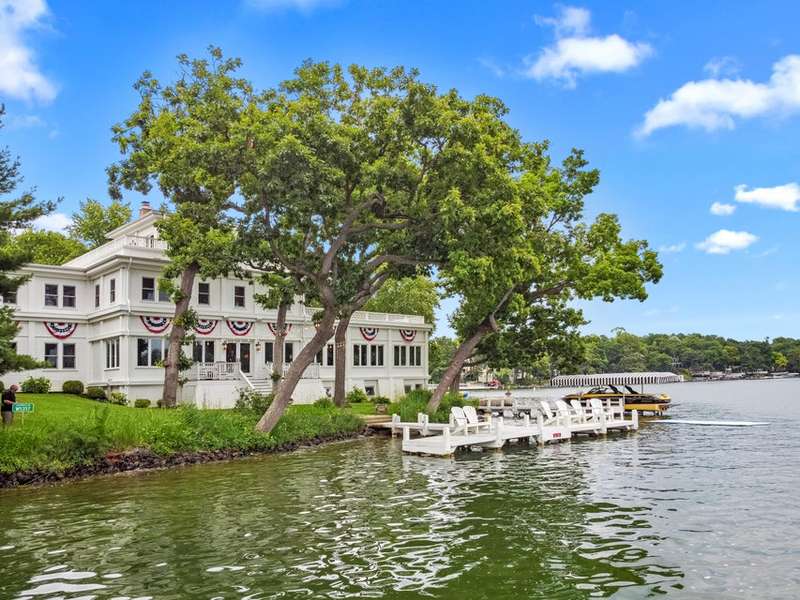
[(550, 418), (580, 409), (461, 423), (472, 418)]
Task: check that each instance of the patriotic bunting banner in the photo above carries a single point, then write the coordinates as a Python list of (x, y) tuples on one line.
[(60, 330), (369, 333), (205, 326), (273, 327), (408, 334), (240, 327), (155, 324)]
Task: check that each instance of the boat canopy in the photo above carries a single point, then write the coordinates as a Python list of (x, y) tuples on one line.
[(615, 379)]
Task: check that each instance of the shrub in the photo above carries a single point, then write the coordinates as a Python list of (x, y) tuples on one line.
[(36, 385), (118, 398), (96, 393), (250, 400), (72, 387), (356, 395), (381, 400), (416, 402), (326, 403), (141, 403)]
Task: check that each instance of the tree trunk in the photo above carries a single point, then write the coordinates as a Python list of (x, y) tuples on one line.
[(176, 335), (456, 385), (340, 360), (461, 355), (279, 347), (287, 385)]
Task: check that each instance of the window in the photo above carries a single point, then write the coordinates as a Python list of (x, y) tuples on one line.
[(415, 356), (203, 351), (288, 352), (51, 355), (112, 354), (10, 297), (369, 390), (325, 356), (203, 293), (112, 291), (399, 356), (148, 289), (50, 294), (357, 354), (97, 295), (149, 352), (330, 355), (268, 352), (68, 356), (376, 356), (163, 295), (238, 296), (68, 296)]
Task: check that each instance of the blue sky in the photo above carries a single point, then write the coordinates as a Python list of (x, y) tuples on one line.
[(680, 109)]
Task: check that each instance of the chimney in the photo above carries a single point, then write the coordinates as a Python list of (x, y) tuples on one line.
[(145, 209)]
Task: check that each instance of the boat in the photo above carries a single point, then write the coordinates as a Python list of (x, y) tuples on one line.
[(613, 386)]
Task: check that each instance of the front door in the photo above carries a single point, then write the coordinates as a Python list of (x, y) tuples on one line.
[(244, 356)]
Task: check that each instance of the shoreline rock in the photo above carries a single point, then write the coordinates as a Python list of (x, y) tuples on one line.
[(142, 460)]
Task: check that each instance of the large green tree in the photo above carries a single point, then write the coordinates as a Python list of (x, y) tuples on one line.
[(16, 212), (91, 224), (546, 252), (407, 296), (48, 247), (184, 138)]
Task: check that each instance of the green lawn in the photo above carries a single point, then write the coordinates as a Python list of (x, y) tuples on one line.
[(67, 430), (361, 408)]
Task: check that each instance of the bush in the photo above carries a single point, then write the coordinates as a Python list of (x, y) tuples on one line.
[(72, 387), (326, 403), (96, 393), (381, 400), (416, 401), (118, 398), (36, 385), (141, 403), (250, 400), (356, 395)]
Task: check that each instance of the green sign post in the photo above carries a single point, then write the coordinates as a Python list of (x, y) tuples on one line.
[(23, 407)]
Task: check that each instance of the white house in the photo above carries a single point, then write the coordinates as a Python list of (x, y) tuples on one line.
[(101, 319)]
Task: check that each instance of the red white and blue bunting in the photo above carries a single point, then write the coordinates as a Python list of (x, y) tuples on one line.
[(155, 324), (273, 327), (369, 333), (240, 328), (205, 326), (60, 330), (408, 334)]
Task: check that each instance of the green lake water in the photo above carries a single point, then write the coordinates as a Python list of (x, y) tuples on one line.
[(686, 511)]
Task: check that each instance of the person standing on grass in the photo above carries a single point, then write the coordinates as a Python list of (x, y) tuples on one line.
[(7, 401)]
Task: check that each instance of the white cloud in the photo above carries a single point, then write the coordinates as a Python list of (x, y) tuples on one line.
[(575, 52), (722, 210), (784, 197), (20, 76), (712, 104), (25, 121), (53, 222), (724, 241), (673, 248), (492, 66), (305, 6)]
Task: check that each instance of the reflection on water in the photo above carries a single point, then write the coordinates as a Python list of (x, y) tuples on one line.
[(703, 512)]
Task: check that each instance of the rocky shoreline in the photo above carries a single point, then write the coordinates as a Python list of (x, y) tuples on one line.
[(139, 459)]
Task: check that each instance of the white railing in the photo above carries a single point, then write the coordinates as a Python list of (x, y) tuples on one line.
[(311, 372), (214, 371), (137, 241), (375, 317)]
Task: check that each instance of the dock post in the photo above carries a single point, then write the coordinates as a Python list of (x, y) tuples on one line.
[(446, 440), (423, 420), (603, 426), (498, 434), (635, 417), (395, 423), (406, 434), (540, 423)]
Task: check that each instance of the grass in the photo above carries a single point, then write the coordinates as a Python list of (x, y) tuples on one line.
[(67, 430), (361, 408)]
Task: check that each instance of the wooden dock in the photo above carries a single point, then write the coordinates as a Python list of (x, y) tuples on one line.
[(443, 439)]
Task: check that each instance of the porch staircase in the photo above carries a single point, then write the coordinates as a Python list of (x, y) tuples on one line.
[(262, 386)]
